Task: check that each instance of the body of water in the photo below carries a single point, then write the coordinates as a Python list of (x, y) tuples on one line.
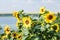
[(7, 20)]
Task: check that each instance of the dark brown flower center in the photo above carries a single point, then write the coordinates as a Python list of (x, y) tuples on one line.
[(7, 29), (27, 21), (19, 37), (54, 27), (50, 17), (14, 35), (42, 10), (18, 15)]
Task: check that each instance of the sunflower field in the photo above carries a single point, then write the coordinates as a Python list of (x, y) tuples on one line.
[(46, 27)]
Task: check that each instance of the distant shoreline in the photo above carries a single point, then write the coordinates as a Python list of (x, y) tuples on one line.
[(9, 14), (5, 14)]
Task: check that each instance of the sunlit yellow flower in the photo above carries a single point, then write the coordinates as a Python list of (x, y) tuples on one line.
[(3, 37), (26, 22), (55, 27), (20, 37), (17, 23), (7, 29), (16, 14), (42, 10), (15, 35), (50, 17)]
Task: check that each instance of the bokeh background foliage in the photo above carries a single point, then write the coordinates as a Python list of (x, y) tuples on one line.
[(45, 27)]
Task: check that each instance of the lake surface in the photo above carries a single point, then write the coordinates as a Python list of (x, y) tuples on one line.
[(8, 20)]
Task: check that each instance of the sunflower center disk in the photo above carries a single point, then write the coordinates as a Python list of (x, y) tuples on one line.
[(42, 10), (14, 34), (19, 37), (27, 22), (50, 17), (54, 27), (7, 29)]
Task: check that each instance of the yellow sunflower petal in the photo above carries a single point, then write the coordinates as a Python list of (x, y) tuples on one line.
[(20, 37), (27, 22), (15, 35), (42, 10), (55, 27), (7, 29), (15, 13), (50, 17), (3, 37)]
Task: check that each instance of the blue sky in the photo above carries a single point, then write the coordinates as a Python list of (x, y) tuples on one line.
[(8, 6)]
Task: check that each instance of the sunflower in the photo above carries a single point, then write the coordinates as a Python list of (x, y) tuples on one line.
[(42, 10), (4, 37), (16, 14), (50, 17), (7, 29), (15, 35), (20, 37), (26, 22), (55, 27)]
